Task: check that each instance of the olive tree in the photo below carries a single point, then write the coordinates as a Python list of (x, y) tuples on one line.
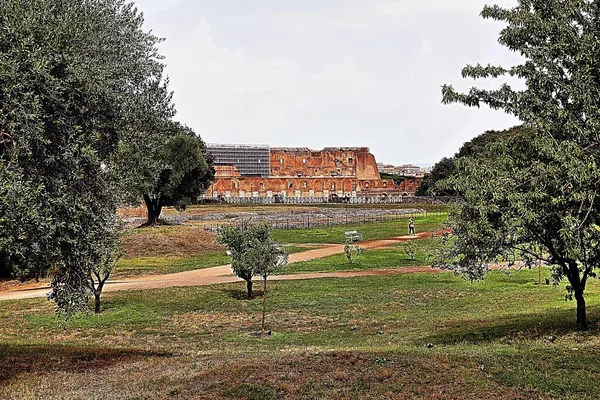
[(73, 76), (268, 257), (185, 172), (536, 193), (253, 252)]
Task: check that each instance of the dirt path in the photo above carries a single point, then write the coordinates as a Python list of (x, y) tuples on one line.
[(222, 274)]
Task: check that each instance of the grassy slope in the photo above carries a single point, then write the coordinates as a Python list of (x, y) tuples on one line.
[(194, 343)]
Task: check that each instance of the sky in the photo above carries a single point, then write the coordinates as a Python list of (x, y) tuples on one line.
[(330, 73)]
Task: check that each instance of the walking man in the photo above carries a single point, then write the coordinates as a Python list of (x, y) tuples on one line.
[(411, 226)]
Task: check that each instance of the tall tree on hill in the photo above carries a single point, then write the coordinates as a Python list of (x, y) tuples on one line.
[(172, 168), (72, 75), (537, 193), (432, 184), (442, 170)]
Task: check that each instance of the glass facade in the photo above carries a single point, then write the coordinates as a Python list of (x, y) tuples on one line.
[(250, 160)]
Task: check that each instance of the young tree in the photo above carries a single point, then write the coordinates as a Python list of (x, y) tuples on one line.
[(252, 251), (352, 252), (537, 193), (107, 255), (268, 257)]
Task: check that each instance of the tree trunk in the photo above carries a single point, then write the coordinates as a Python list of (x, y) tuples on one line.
[(264, 305), (154, 209), (249, 287), (581, 317), (97, 303)]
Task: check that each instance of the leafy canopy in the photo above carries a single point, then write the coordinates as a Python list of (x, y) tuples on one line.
[(253, 251), (535, 194), (73, 77)]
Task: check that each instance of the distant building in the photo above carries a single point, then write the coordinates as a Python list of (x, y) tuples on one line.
[(401, 170), (261, 171)]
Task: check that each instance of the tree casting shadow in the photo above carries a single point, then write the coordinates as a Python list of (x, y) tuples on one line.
[(239, 294), (530, 326), (16, 360)]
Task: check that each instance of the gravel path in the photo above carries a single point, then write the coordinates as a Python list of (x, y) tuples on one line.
[(222, 274)]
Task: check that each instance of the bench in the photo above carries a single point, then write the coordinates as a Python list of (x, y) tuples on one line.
[(353, 236)]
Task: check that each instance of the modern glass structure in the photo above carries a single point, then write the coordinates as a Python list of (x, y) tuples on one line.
[(250, 160)]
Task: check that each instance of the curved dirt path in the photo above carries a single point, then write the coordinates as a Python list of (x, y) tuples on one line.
[(222, 273)]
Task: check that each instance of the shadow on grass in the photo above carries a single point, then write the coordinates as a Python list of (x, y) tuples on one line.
[(528, 326), (16, 360), (240, 294)]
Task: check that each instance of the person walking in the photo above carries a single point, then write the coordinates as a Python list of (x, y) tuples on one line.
[(411, 226)]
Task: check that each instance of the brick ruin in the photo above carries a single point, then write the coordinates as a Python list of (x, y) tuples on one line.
[(241, 171)]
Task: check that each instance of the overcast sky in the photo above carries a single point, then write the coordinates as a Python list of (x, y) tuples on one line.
[(321, 73)]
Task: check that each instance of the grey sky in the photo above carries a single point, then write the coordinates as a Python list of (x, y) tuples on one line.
[(318, 73)]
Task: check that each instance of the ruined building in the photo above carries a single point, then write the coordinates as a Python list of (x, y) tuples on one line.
[(261, 171)]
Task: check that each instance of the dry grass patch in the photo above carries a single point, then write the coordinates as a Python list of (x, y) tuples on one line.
[(177, 240), (37, 359), (227, 322), (350, 375)]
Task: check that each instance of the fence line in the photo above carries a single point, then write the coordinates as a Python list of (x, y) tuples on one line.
[(312, 221), (327, 200)]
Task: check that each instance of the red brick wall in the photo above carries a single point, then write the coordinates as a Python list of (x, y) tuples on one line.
[(305, 172)]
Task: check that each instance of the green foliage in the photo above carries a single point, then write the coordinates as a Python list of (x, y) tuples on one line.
[(440, 171), (398, 179), (188, 171), (410, 248), (433, 184), (168, 167), (352, 252), (71, 75), (253, 251), (536, 192)]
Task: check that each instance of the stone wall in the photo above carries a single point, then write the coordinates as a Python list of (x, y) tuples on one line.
[(301, 172)]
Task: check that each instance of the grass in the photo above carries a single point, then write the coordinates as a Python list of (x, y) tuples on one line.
[(130, 267), (384, 258), (334, 338), (178, 248), (354, 338), (370, 231)]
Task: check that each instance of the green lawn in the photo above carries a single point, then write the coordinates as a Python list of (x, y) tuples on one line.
[(333, 338), (127, 267), (370, 231), (295, 240), (384, 258), (166, 265)]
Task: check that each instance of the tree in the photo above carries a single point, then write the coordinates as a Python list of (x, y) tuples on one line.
[(446, 167), (107, 255), (71, 74), (172, 168), (440, 171), (535, 194), (252, 250), (352, 252), (268, 256), (187, 173)]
